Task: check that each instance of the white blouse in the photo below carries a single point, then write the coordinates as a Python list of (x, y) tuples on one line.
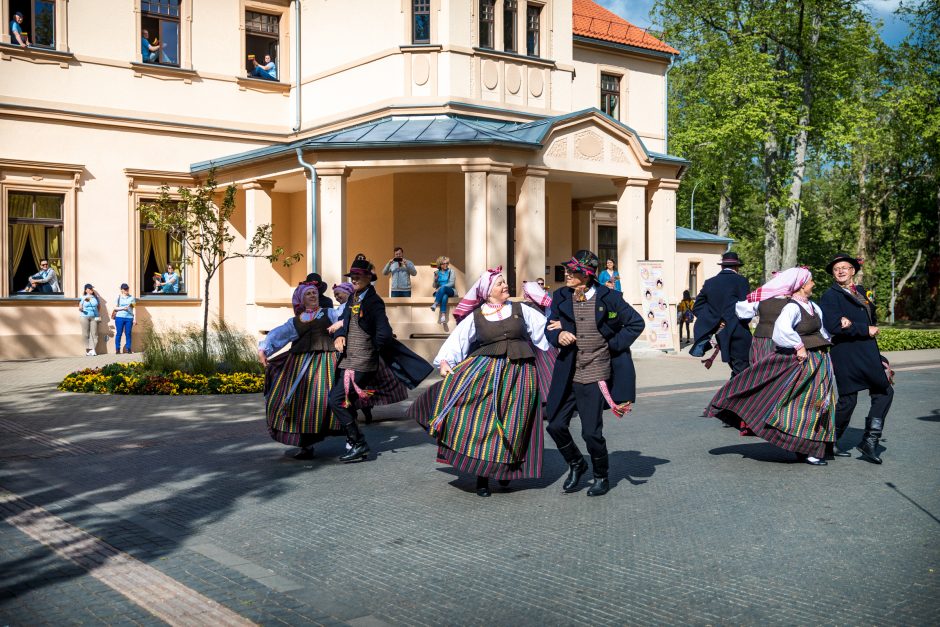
[(457, 345), (785, 334)]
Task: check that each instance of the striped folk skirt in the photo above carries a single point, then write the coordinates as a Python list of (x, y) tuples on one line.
[(486, 418), (304, 417), (789, 404), (761, 347), (386, 389)]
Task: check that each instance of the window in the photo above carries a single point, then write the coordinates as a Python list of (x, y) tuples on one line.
[(532, 29), (606, 243), (160, 31), (35, 234), (610, 95), (262, 37), (693, 278), (510, 22), (159, 249), (38, 21), (421, 21), (487, 23)]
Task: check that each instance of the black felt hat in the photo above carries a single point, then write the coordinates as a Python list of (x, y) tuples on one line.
[(729, 259), (361, 266), (314, 277), (843, 257)]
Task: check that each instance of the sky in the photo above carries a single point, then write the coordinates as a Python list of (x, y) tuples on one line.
[(637, 12)]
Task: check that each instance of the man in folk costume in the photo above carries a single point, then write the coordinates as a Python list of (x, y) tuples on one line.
[(593, 328), (714, 311), (849, 314), (374, 367)]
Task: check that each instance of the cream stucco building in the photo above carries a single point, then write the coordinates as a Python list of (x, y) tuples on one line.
[(497, 132)]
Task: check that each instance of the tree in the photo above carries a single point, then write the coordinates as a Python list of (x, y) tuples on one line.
[(201, 223)]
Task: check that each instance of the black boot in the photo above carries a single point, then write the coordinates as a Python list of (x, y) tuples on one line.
[(483, 486), (359, 450), (305, 452), (869, 444), (601, 483), (576, 464), (367, 412)]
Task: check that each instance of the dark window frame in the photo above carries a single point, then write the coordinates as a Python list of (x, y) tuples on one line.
[(29, 26), (180, 265), (160, 12), (487, 24), (47, 223), (262, 34), (610, 89), (420, 12), (511, 25), (533, 30)]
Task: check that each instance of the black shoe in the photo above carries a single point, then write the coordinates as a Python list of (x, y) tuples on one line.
[(504, 483), (600, 488), (838, 452), (359, 451), (577, 469), (817, 462), (483, 486), (869, 450), (304, 453)]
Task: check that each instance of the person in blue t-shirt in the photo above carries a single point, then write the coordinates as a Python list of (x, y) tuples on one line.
[(17, 36), (168, 283), (267, 71), (148, 51)]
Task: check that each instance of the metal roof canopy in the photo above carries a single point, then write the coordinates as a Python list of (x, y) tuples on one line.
[(688, 235)]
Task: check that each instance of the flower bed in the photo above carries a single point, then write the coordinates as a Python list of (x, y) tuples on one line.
[(131, 378)]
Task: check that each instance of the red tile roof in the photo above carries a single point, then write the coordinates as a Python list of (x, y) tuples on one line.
[(594, 21)]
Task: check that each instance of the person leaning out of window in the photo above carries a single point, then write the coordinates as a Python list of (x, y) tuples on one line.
[(168, 282), (124, 320), (267, 71), (46, 281), (88, 306), (17, 36), (148, 51)]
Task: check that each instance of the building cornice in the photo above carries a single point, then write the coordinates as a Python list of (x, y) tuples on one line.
[(610, 46)]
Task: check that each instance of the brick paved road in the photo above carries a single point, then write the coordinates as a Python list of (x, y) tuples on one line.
[(702, 526)]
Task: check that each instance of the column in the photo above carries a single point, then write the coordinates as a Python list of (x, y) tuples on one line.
[(497, 235), (662, 239), (485, 221), (257, 212), (530, 225), (331, 211), (631, 233)]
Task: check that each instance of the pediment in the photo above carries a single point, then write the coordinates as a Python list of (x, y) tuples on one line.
[(594, 145)]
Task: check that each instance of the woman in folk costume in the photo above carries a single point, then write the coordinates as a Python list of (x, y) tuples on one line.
[(297, 383), (485, 413), (374, 367), (536, 297), (787, 398)]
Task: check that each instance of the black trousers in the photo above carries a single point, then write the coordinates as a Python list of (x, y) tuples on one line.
[(738, 366), (587, 399), (880, 404), (337, 398)]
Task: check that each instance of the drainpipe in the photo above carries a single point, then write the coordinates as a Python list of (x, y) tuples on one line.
[(311, 210), (296, 65), (672, 59)]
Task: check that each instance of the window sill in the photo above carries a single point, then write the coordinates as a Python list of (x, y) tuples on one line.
[(163, 71), (169, 299), (260, 84), (37, 55), (513, 56), (46, 300), (421, 48)]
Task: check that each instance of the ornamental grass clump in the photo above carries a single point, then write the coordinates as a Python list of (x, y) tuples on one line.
[(228, 350)]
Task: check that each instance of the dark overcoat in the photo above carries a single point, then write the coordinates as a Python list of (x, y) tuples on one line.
[(714, 304), (617, 322), (410, 368), (856, 360)]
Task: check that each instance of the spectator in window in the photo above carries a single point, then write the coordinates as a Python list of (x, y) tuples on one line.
[(268, 71), (148, 51), (401, 270), (444, 281), (17, 36), (609, 277), (124, 320), (88, 305), (46, 281), (168, 282)]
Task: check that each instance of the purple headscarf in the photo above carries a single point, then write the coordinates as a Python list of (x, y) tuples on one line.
[(297, 300), (345, 286)]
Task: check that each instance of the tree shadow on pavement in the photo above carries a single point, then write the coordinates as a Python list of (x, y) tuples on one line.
[(933, 417)]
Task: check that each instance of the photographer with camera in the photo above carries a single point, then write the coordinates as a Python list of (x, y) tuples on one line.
[(401, 270)]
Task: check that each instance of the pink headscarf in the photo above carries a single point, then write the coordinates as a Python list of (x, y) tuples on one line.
[(536, 294), (477, 294), (297, 300), (784, 283)]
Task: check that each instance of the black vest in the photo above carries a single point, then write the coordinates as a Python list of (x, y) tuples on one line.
[(768, 311), (507, 337), (313, 336), (809, 329)]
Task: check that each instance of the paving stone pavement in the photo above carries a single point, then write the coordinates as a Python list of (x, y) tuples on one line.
[(701, 527)]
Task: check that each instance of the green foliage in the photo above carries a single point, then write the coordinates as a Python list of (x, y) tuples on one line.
[(891, 339), (228, 350), (134, 378)]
